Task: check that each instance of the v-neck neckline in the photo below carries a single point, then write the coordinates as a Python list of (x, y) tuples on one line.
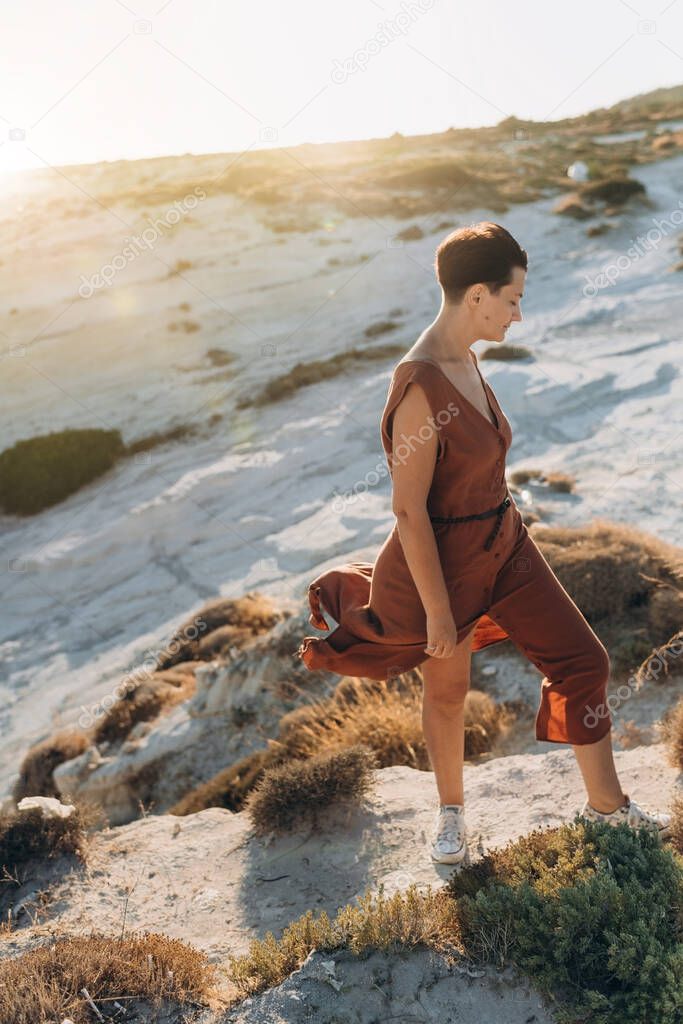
[(464, 398)]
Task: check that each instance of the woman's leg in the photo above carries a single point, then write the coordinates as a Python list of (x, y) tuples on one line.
[(446, 682), (597, 766), (546, 625)]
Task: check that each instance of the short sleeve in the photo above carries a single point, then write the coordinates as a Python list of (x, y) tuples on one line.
[(404, 375)]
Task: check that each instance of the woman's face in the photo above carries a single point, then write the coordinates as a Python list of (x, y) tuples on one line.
[(496, 313)]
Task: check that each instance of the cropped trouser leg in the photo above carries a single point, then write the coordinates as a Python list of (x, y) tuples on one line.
[(543, 622)]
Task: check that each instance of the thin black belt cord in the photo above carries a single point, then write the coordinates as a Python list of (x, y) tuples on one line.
[(498, 511)]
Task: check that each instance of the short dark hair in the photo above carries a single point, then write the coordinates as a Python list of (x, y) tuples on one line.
[(483, 252)]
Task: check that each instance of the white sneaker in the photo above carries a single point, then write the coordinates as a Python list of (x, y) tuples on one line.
[(632, 814), (449, 844)]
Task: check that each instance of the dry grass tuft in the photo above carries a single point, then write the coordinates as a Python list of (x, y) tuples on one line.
[(387, 717), (671, 729), (35, 773), (384, 716), (485, 721), (145, 701), (380, 327), (570, 205), (659, 663), (523, 476), (553, 480), (625, 580), (30, 835), (36, 850), (558, 481), (47, 983), (316, 370), (296, 793), (217, 626)]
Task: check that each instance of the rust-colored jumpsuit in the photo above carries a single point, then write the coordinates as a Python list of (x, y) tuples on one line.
[(502, 590)]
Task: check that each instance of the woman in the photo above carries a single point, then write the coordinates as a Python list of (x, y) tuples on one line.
[(451, 579)]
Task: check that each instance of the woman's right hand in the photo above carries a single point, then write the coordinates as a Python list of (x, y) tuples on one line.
[(442, 635)]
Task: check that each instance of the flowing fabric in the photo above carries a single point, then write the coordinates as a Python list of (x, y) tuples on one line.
[(505, 592)]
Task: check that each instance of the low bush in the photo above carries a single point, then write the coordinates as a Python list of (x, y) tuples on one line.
[(41, 471), (612, 190), (35, 774), (402, 921), (145, 700), (29, 835), (48, 983), (627, 583), (591, 912), (508, 353), (219, 624), (294, 794)]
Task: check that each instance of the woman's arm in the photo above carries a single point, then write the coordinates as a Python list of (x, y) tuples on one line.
[(412, 473)]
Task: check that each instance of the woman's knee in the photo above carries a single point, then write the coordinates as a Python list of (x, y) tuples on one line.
[(444, 687), (450, 701)]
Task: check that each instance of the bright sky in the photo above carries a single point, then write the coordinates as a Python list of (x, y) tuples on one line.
[(96, 80)]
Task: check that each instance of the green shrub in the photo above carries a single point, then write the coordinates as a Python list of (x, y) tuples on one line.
[(404, 920), (591, 912), (43, 470)]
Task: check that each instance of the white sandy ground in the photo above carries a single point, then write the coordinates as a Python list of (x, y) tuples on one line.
[(209, 880), (101, 579)]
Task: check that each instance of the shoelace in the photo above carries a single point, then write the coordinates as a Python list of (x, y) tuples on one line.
[(453, 825)]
